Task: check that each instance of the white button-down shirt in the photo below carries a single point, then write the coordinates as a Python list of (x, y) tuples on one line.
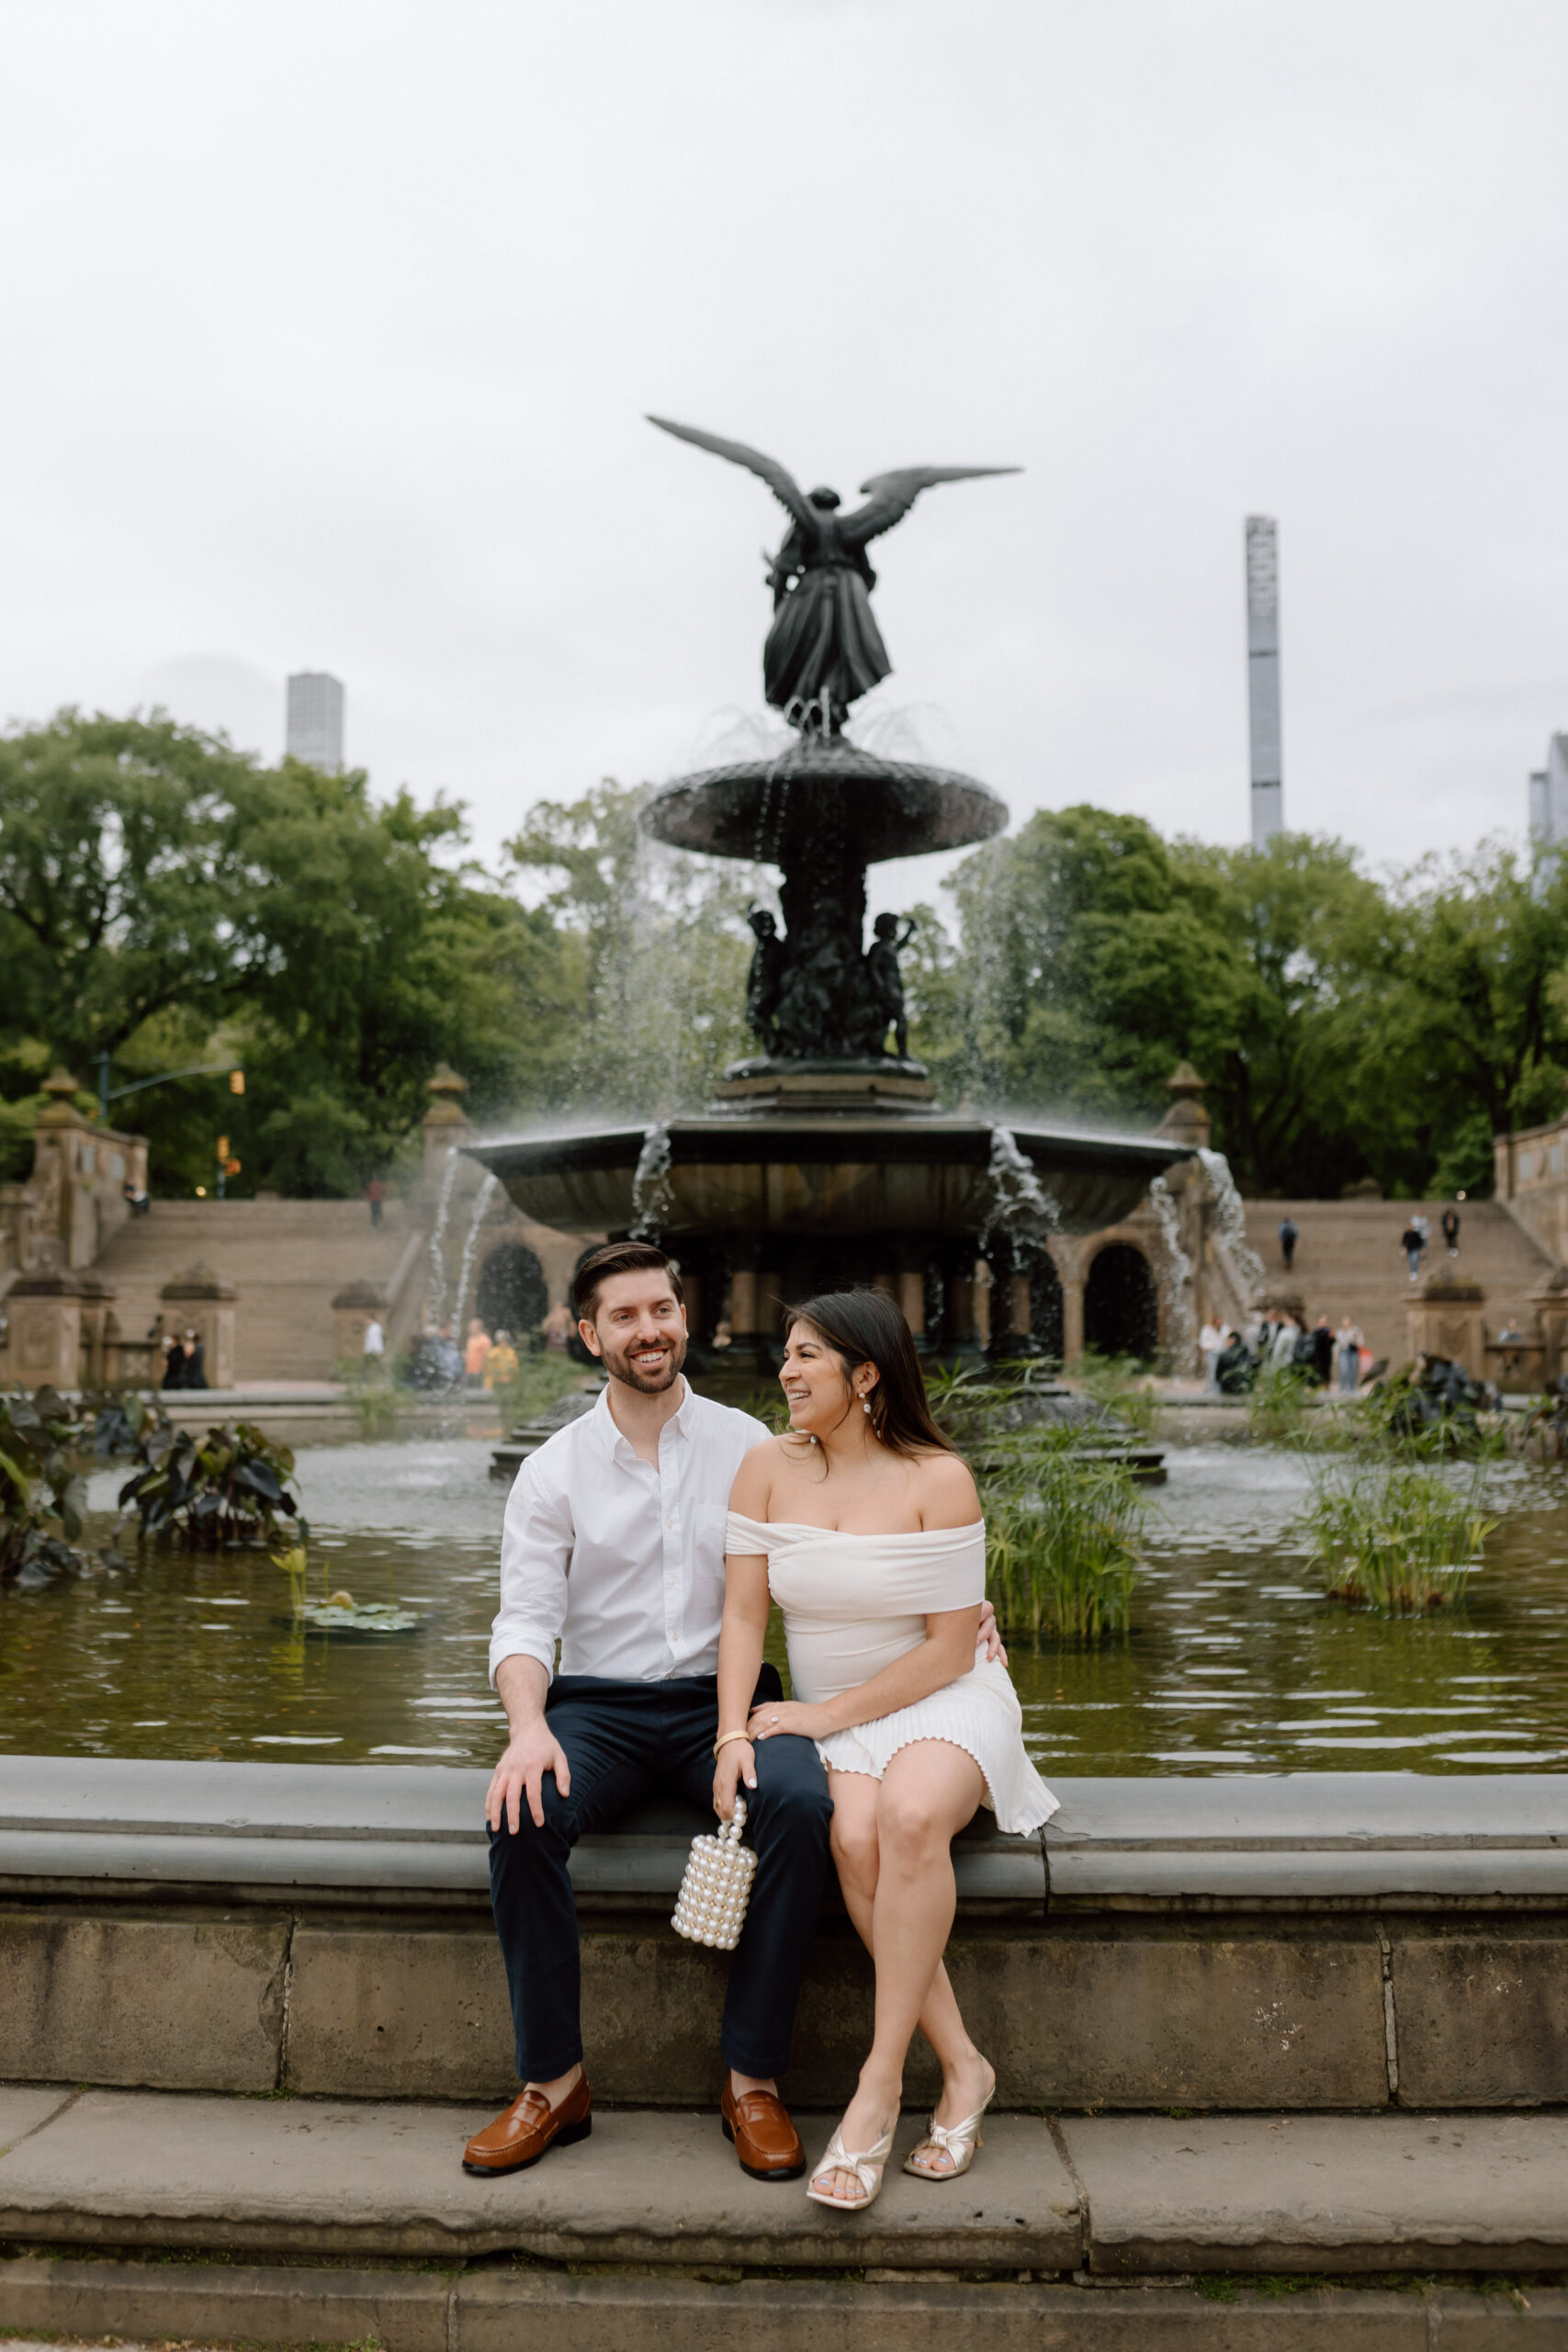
[(623, 1562)]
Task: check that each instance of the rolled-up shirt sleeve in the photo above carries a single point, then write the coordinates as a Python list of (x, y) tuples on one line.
[(535, 1554)]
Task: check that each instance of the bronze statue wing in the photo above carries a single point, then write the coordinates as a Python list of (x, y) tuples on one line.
[(779, 479), (890, 496)]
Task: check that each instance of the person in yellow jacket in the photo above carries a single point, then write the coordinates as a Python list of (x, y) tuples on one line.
[(500, 1364)]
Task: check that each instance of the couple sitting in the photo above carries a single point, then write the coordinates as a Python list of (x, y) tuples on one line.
[(648, 1536)]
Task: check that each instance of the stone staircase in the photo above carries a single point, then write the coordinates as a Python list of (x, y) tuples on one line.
[(286, 1258), (1349, 1261)]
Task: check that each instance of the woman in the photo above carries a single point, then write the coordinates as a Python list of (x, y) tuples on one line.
[(864, 1524)]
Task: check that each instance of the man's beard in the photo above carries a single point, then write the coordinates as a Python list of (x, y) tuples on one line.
[(618, 1363)]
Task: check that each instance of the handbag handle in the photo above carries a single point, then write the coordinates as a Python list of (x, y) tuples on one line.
[(731, 1828)]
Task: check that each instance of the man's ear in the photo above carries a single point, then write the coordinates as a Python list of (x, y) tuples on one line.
[(589, 1337)]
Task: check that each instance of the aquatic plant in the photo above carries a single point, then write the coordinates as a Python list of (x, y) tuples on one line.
[(1403, 1541), (1278, 1405), (1121, 1386), (43, 1498), (1062, 1536), (214, 1493)]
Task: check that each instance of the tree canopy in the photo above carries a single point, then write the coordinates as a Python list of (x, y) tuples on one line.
[(169, 901)]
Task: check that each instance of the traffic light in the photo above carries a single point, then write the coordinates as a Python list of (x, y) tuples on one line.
[(236, 1081)]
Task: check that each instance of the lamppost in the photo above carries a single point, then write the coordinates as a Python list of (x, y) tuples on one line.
[(107, 1093)]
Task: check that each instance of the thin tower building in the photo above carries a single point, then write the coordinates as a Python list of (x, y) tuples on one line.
[(1263, 678), (314, 729), (1549, 798)]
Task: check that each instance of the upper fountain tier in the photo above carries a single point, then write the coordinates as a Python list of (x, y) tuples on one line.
[(823, 789)]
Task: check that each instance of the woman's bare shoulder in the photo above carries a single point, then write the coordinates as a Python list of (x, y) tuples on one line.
[(945, 1489), (752, 1492)]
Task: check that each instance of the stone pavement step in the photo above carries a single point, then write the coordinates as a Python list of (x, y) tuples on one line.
[(496, 2310), (1123, 2195)]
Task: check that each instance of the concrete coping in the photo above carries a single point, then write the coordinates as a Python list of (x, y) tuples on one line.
[(381, 1830)]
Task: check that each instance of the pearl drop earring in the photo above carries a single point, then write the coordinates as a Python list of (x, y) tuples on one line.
[(865, 1404)]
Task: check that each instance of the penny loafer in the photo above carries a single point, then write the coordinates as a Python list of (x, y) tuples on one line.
[(528, 2130), (766, 2141)]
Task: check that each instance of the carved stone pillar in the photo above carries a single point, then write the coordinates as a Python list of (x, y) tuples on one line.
[(1446, 1318), (44, 1344)]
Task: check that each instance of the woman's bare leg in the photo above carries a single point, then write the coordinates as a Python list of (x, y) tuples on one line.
[(928, 1791), (965, 2076)]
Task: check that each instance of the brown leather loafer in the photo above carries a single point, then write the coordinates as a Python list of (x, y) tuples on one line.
[(765, 2140), (529, 2127)]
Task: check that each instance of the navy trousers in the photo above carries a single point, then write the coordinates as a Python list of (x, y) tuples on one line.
[(626, 1741)]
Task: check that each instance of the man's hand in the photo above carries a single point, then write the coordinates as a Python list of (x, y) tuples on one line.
[(530, 1753), (987, 1635), (735, 1763)]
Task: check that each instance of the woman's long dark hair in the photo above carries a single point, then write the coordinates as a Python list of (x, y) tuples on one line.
[(864, 1326)]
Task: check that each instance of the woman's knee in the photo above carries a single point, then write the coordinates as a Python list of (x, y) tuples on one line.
[(910, 1826), (854, 1842)]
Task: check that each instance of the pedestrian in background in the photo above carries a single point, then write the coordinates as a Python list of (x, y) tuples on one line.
[(1289, 1237), (475, 1353), (1450, 1230), (500, 1364), (1287, 1331), (1210, 1343), (1348, 1346), (1322, 1351), (1411, 1242), (193, 1370), (373, 1346), (375, 1193)]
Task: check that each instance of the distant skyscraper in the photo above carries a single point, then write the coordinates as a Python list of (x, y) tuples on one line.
[(1549, 796), (1263, 678), (314, 733)]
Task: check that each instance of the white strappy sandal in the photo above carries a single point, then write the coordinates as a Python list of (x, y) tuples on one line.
[(867, 2167), (959, 2141)]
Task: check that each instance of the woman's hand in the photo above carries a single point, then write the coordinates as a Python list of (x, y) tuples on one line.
[(775, 1716), (735, 1763)]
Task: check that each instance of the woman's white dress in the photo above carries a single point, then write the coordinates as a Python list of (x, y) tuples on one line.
[(853, 1603)]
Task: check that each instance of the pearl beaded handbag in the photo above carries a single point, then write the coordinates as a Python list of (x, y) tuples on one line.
[(711, 1906)]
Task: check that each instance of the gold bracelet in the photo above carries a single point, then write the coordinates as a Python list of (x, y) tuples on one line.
[(724, 1739)]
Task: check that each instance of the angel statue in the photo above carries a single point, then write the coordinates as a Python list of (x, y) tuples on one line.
[(824, 650)]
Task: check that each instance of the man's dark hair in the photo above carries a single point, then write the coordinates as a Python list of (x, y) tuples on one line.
[(617, 1258)]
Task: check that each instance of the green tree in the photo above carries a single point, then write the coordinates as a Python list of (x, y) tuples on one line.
[(656, 948), (168, 899)]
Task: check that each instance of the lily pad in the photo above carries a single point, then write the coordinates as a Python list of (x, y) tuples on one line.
[(357, 1617)]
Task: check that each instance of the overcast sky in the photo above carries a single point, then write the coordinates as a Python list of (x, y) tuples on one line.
[(329, 330)]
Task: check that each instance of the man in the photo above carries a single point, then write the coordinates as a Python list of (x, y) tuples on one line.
[(1322, 1351), (1450, 1223), (1211, 1345), (375, 1193), (1290, 1234), (614, 1542), (373, 1346)]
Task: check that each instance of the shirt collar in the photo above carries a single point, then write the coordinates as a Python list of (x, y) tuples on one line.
[(615, 1439)]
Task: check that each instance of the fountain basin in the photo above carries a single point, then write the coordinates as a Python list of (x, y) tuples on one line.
[(823, 788), (892, 1169)]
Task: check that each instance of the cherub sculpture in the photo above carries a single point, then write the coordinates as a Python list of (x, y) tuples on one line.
[(824, 650)]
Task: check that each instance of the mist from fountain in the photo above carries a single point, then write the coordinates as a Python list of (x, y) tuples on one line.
[(1176, 1276), (653, 1199), (482, 1200), (1021, 1206), (437, 1311), (1239, 1260)]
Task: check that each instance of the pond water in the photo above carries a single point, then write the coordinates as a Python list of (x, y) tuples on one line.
[(1235, 1663)]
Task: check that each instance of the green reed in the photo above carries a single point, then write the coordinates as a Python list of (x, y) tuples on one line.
[(1063, 1537), (1402, 1541)]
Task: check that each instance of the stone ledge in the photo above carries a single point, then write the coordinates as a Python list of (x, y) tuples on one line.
[(492, 2312), (1096, 2198), (1304, 1838)]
